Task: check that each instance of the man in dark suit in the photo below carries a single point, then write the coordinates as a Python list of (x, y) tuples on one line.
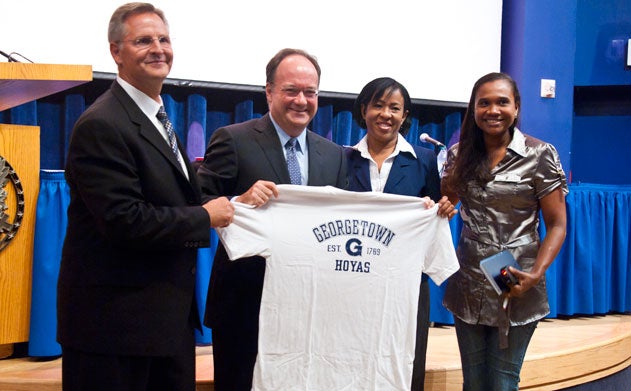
[(126, 304), (246, 161)]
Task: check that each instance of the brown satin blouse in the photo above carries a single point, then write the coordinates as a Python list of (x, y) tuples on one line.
[(504, 214)]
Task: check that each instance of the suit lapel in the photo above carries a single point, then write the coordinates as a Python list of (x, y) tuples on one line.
[(317, 161), (146, 128), (360, 167), (267, 138), (398, 172)]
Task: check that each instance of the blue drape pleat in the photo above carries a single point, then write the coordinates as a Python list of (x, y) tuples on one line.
[(52, 141), (343, 125), (552, 279), (244, 111), (196, 120), (322, 123), (413, 134), (621, 269), (74, 106), (177, 115), (593, 266), (591, 275), (24, 114), (452, 129), (50, 230), (205, 258)]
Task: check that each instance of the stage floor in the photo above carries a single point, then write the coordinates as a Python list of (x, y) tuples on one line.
[(562, 353)]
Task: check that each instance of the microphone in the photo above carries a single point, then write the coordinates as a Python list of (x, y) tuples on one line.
[(8, 56), (426, 139)]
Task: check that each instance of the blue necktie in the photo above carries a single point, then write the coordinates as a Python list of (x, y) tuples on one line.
[(292, 162), (162, 116)]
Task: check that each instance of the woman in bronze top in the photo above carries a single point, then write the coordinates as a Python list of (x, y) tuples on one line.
[(503, 179)]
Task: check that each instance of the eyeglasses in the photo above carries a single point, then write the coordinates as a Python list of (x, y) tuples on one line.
[(146, 42), (293, 92)]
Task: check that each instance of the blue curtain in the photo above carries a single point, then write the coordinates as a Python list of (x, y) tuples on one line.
[(591, 274), (50, 230), (196, 116), (593, 270)]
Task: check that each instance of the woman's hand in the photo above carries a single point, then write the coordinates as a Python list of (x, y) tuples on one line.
[(446, 208), (526, 281)]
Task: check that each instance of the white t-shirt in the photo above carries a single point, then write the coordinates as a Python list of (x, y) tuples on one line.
[(342, 278)]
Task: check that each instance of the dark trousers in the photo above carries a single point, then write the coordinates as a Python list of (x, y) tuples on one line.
[(236, 328), (234, 356), (95, 372), (422, 331)]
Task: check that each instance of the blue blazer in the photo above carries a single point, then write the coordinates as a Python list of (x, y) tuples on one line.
[(410, 176)]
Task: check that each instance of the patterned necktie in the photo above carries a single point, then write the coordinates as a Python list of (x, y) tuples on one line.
[(162, 116), (292, 162)]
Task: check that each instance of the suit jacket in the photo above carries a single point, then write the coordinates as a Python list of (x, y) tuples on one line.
[(237, 156), (408, 176), (127, 277)]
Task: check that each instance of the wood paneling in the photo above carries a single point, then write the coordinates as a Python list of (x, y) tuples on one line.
[(19, 145), (24, 82)]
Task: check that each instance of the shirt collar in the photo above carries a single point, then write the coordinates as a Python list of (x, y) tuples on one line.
[(148, 106), (402, 146), (301, 140), (518, 143)]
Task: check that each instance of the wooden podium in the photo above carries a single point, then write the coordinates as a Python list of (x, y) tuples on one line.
[(19, 146)]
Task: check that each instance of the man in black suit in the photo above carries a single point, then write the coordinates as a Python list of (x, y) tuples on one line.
[(126, 303), (246, 161)]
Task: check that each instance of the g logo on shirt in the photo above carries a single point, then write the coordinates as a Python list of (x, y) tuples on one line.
[(354, 247)]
